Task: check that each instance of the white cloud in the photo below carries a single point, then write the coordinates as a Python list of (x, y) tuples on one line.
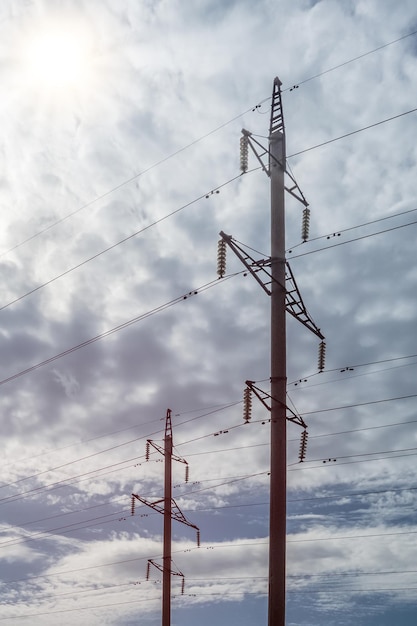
[(89, 166)]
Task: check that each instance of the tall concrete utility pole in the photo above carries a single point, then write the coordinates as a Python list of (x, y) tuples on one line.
[(166, 559), (170, 510), (277, 280), (277, 514)]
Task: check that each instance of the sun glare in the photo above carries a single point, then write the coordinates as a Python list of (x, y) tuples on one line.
[(57, 58)]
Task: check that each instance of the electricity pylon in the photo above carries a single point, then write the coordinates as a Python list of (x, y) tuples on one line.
[(170, 510), (277, 280)]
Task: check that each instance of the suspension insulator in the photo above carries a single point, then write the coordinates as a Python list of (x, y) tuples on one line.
[(132, 505), (303, 446), (305, 226), (221, 258), (187, 473), (247, 404), (148, 448), (322, 356), (198, 538), (148, 570), (182, 586), (244, 153)]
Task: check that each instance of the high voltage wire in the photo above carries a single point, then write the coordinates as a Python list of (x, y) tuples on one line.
[(118, 243), (172, 213), (67, 480), (353, 132), (88, 475), (142, 230), (218, 408), (352, 456), (132, 560), (342, 243), (130, 441), (165, 306), (358, 57), (350, 377), (299, 467), (361, 56), (144, 581), (223, 594), (201, 138), (305, 578), (119, 516), (115, 329), (349, 406), (345, 230), (211, 546), (344, 537), (293, 500), (199, 510), (355, 494), (358, 430)]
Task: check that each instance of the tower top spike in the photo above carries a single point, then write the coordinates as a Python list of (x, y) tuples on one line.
[(168, 424), (277, 117)]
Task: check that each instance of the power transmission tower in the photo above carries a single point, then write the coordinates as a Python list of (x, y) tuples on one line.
[(277, 280), (170, 510)]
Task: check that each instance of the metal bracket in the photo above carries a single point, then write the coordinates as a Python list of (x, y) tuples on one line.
[(294, 303), (263, 395), (294, 190)]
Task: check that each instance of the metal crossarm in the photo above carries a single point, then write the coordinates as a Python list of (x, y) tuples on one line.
[(295, 190), (263, 396), (295, 305), (254, 267), (179, 516), (293, 301), (161, 568)]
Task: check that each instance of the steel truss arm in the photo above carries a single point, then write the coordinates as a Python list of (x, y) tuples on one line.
[(176, 513), (263, 396), (293, 302), (162, 451), (294, 190)]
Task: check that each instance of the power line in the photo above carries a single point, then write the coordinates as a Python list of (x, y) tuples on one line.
[(361, 56), (87, 475), (358, 430), (217, 408), (124, 443), (366, 536), (118, 243), (345, 230), (355, 366), (70, 480), (83, 608), (299, 467), (352, 456), (132, 560), (201, 138), (355, 494), (119, 327), (125, 239), (354, 132), (342, 243), (350, 406), (350, 377)]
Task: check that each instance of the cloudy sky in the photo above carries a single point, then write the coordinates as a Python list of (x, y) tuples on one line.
[(120, 122)]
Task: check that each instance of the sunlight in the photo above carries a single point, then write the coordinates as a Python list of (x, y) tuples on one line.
[(57, 57)]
